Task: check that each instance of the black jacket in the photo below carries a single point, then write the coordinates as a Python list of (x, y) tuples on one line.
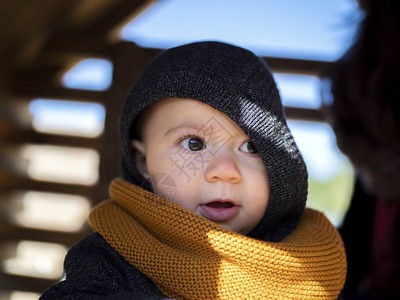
[(94, 270)]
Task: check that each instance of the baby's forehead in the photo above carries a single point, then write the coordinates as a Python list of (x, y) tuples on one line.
[(182, 112)]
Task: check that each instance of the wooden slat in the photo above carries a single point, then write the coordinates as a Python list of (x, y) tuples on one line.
[(11, 233), (93, 38), (10, 182), (142, 55), (304, 114), (300, 66), (69, 47), (30, 88), (114, 17), (22, 283), (128, 60), (29, 136)]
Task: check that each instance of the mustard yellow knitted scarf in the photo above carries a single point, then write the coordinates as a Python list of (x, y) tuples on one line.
[(189, 257)]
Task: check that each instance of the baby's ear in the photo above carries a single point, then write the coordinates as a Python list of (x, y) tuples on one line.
[(139, 152)]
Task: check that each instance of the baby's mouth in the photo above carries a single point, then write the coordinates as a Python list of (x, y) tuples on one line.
[(219, 210), (220, 204)]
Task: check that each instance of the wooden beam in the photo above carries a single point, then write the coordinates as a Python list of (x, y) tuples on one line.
[(94, 38), (46, 88), (29, 136), (301, 66), (68, 47), (114, 17), (9, 282), (129, 59), (10, 181), (304, 114), (10, 232)]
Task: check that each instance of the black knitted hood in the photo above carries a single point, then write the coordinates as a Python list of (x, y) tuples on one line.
[(238, 83)]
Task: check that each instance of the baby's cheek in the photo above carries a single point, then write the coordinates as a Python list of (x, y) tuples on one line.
[(187, 194), (162, 177)]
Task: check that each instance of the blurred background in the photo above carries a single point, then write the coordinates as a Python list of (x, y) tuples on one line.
[(65, 68)]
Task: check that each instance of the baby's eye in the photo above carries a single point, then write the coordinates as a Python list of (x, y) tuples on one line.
[(248, 147), (193, 144)]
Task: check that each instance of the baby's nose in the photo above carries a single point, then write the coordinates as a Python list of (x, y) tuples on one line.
[(223, 167)]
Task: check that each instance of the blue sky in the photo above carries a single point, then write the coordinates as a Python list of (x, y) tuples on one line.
[(312, 29)]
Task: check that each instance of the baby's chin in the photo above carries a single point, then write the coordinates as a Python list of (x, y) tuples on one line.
[(232, 226), (241, 231)]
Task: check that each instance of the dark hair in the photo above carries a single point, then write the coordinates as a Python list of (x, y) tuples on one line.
[(365, 112)]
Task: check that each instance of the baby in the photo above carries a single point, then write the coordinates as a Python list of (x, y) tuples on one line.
[(212, 200), (218, 172)]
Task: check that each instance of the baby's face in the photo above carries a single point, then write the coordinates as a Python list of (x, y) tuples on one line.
[(200, 159)]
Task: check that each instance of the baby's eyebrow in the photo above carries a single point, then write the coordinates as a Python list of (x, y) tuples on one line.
[(192, 124)]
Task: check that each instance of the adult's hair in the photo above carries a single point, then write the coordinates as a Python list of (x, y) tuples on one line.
[(365, 111)]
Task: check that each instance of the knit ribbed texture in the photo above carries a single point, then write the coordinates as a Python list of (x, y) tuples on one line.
[(189, 257), (238, 83)]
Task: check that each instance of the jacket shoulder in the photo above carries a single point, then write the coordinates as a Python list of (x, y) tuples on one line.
[(92, 269)]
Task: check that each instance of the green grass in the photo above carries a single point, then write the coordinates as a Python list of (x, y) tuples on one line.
[(332, 197)]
